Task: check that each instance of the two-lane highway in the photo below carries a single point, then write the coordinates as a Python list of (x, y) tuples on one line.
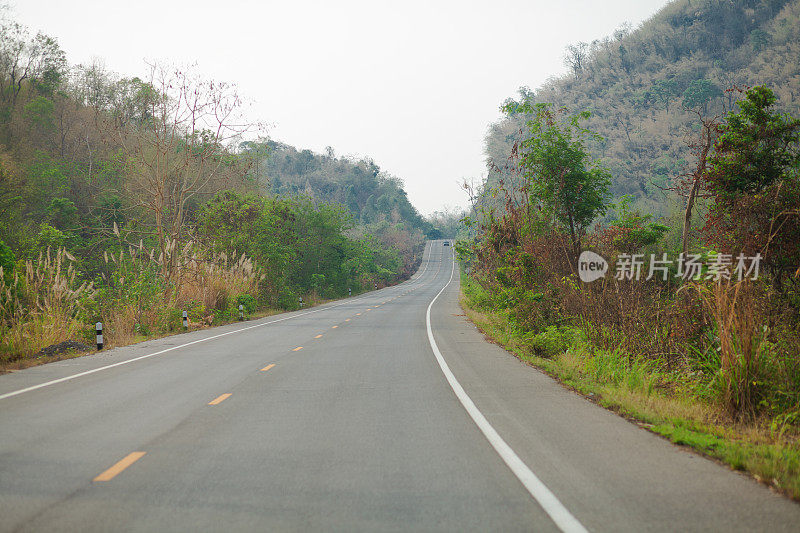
[(379, 412)]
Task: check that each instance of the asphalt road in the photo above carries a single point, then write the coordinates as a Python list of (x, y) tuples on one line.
[(383, 412)]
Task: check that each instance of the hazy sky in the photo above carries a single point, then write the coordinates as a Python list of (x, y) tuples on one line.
[(414, 85)]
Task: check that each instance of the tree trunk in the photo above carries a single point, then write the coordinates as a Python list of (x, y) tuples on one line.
[(707, 142), (687, 215), (576, 250)]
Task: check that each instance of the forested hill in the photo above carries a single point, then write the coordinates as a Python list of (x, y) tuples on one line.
[(370, 194), (128, 200), (643, 86)]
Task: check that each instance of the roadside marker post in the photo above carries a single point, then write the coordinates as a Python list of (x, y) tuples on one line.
[(376, 286), (241, 312), (301, 302), (99, 330), (185, 320), (349, 291)]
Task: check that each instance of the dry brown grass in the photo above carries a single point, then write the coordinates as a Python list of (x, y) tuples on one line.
[(142, 303), (42, 305), (46, 303), (214, 280), (741, 337)]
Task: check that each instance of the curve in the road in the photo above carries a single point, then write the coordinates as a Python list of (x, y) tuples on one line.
[(538, 490)]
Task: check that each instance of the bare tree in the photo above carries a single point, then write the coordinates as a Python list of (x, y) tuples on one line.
[(576, 57), (691, 183), (177, 148), (24, 58)]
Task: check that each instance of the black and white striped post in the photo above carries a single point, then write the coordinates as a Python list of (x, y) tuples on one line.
[(301, 301), (241, 312), (349, 291), (99, 330), (185, 320), (376, 286)]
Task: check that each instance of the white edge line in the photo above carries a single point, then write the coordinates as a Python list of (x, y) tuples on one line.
[(546, 499), (128, 361)]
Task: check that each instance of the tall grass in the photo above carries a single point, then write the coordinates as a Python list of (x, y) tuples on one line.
[(217, 279), (138, 300), (741, 342), (43, 304), (45, 301)]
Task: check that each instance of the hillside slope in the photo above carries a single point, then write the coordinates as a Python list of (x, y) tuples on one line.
[(370, 194), (644, 86)]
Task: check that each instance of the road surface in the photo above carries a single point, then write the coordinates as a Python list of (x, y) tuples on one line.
[(382, 412)]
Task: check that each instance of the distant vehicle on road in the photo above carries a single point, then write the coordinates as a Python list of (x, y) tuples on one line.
[(447, 243)]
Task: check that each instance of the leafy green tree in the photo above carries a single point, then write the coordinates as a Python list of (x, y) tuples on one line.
[(256, 226), (62, 213), (39, 112), (759, 39), (560, 175), (664, 91), (47, 178), (50, 237), (11, 199), (24, 58), (753, 176), (300, 246), (699, 93), (131, 101), (756, 147)]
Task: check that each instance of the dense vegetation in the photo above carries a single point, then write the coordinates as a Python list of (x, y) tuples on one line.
[(679, 332), (375, 200), (370, 194), (129, 200)]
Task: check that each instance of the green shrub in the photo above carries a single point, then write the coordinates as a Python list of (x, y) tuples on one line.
[(197, 311), (288, 299), (7, 262), (246, 300), (172, 319), (554, 340)]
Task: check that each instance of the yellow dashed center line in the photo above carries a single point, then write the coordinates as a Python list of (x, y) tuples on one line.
[(347, 320), (334, 327), (358, 314), (267, 367), (112, 472), (297, 349), (318, 336), (219, 399)]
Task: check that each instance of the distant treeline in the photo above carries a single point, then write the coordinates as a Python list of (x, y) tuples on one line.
[(361, 186)]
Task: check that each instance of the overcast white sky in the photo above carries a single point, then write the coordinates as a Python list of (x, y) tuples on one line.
[(412, 84)]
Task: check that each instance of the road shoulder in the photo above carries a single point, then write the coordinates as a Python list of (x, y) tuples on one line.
[(608, 472)]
